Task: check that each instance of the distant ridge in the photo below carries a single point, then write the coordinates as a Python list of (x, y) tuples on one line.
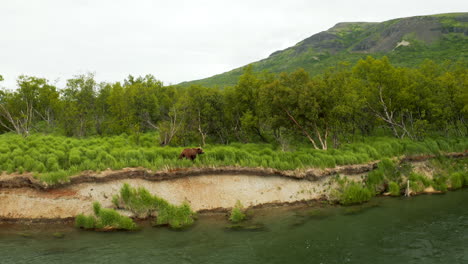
[(406, 41)]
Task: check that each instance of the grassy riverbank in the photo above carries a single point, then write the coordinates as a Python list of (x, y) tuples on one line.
[(54, 158), (395, 179)]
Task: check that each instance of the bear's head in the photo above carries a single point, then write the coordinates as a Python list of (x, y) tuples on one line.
[(200, 151)]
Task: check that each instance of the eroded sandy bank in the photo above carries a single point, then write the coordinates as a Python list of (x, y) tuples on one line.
[(202, 192), (23, 197)]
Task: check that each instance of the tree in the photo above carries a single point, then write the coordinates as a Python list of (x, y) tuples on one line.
[(78, 99), (381, 86), (242, 106), (34, 99), (339, 102), (296, 99), (205, 112)]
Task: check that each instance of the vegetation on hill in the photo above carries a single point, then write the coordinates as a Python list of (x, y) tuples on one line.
[(406, 41)]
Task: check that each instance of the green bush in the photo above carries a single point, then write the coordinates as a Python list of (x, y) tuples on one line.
[(175, 216), (418, 182), (354, 193), (141, 202), (104, 219), (440, 182), (465, 177), (394, 188), (54, 177), (456, 180), (74, 157), (39, 167), (18, 161), (386, 171), (237, 215), (86, 222), (110, 218), (375, 179), (125, 192), (96, 208), (52, 164)]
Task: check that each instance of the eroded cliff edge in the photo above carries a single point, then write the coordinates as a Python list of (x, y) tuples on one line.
[(206, 189)]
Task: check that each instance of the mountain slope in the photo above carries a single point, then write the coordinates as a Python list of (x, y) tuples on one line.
[(406, 41)]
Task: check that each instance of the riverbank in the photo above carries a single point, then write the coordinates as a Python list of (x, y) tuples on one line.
[(422, 229), (24, 198)]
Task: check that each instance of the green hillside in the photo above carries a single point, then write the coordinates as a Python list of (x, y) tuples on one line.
[(406, 41)]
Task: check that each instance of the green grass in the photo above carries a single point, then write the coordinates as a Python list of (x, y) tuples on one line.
[(439, 182), (53, 159), (350, 192), (419, 182), (237, 215), (456, 180), (104, 219), (394, 189), (141, 202)]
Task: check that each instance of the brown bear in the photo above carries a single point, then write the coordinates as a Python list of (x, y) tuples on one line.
[(191, 153)]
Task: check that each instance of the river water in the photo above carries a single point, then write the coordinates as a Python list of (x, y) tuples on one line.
[(422, 229)]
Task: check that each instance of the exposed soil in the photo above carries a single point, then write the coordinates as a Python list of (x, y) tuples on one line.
[(27, 180), (22, 197)]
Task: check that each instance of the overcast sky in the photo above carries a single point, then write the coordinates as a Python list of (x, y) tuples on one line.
[(173, 40)]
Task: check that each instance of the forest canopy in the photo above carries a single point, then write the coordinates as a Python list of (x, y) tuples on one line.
[(372, 97)]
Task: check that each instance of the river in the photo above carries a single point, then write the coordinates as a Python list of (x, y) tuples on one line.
[(423, 229)]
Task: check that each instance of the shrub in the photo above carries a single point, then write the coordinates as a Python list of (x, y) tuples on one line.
[(465, 178), (52, 164), (104, 219), (74, 157), (141, 202), (354, 193), (394, 188), (418, 182), (9, 166), (39, 167), (237, 215), (96, 208), (386, 171), (54, 177), (175, 216), (29, 163), (440, 182), (456, 180), (125, 192), (18, 161), (108, 218), (375, 179), (86, 222)]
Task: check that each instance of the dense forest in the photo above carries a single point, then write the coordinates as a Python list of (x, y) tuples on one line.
[(371, 97)]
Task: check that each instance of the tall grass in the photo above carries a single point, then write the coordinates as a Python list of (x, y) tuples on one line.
[(54, 158), (141, 202), (104, 219), (349, 192), (237, 215), (394, 188)]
